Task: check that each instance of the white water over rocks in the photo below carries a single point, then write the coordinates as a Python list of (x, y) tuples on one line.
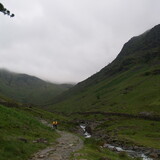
[(117, 149), (129, 152), (86, 134)]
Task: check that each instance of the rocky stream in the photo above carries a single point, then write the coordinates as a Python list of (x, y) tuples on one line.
[(136, 152)]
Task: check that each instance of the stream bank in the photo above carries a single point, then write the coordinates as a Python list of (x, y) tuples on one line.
[(132, 151)]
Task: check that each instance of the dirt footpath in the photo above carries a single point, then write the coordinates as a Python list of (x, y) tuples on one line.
[(66, 144)]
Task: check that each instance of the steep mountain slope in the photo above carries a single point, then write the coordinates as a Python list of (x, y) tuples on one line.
[(28, 89), (130, 84)]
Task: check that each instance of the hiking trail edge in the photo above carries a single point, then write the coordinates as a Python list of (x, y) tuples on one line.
[(62, 150)]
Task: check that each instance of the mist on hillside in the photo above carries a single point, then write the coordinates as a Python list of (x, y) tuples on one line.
[(68, 41)]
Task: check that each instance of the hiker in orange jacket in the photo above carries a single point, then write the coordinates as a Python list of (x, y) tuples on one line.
[(55, 123)]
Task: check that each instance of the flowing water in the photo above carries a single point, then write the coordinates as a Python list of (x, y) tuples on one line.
[(86, 134), (131, 153)]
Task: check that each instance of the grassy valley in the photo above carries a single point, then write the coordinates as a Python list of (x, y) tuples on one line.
[(22, 134)]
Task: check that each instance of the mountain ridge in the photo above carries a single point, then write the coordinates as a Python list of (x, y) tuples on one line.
[(138, 57), (121, 55)]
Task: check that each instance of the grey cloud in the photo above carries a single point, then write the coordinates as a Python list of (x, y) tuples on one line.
[(69, 40)]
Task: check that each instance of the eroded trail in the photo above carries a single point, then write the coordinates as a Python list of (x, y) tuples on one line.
[(62, 150)]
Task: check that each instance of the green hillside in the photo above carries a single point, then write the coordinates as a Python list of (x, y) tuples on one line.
[(28, 89), (130, 84), (18, 131)]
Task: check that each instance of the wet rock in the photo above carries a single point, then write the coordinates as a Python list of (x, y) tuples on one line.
[(130, 148), (153, 155), (135, 148), (88, 129), (147, 152), (158, 152)]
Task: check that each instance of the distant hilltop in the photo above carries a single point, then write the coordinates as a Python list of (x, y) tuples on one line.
[(28, 89)]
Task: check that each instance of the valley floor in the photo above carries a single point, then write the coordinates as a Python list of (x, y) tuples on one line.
[(21, 133)]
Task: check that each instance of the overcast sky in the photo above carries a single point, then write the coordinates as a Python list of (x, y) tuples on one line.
[(69, 40)]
